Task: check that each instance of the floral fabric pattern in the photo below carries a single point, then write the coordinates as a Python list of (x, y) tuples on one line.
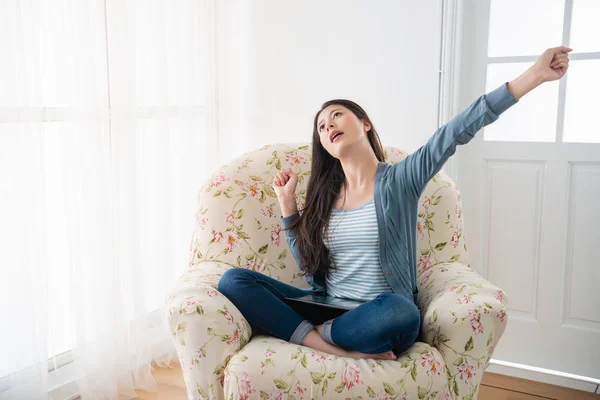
[(237, 226)]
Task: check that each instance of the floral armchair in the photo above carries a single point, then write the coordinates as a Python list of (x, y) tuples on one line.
[(237, 226)]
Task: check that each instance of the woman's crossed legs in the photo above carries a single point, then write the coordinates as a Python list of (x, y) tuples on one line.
[(380, 328)]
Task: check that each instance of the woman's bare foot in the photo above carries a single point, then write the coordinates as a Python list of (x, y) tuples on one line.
[(388, 355), (314, 340)]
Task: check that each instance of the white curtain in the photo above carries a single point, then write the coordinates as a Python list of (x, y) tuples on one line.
[(106, 135)]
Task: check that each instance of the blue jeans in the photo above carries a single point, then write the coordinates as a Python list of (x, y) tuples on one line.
[(388, 322)]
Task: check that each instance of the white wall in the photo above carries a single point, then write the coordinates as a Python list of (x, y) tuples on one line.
[(280, 60)]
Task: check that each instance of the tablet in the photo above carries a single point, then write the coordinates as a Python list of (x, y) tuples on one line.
[(327, 301)]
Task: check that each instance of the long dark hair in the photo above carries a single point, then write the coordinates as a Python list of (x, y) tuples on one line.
[(324, 185)]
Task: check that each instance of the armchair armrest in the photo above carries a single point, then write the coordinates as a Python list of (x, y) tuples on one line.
[(207, 329), (464, 318)]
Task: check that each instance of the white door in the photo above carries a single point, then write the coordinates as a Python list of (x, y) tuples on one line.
[(531, 180)]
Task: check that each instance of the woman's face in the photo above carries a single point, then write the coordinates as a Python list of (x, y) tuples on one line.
[(339, 129)]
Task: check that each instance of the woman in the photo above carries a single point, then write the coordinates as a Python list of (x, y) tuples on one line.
[(360, 215)]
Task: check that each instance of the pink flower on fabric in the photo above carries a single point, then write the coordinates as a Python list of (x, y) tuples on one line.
[(426, 279), (217, 236), (466, 372), (275, 229), (454, 239), (228, 317), (351, 376), (253, 265), (275, 395), (475, 322), (213, 293), (502, 315), (432, 366), (476, 326), (245, 388), (424, 263), (253, 189), (320, 357), (421, 228), (427, 203), (499, 296), (458, 211), (203, 222), (218, 180), (300, 391), (199, 354), (295, 159), (232, 242), (267, 211), (229, 218), (446, 395), (234, 338), (242, 166)]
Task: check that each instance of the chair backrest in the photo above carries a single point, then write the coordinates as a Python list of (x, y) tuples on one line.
[(237, 217)]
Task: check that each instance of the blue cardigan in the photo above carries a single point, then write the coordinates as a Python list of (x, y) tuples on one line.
[(398, 189)]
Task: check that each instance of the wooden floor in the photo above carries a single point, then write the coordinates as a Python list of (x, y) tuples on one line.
[(493, 387)]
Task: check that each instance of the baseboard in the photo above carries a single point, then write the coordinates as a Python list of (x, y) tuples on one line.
[(545, 376)]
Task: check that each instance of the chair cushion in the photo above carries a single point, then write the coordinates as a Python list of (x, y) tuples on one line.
[(270, 368)]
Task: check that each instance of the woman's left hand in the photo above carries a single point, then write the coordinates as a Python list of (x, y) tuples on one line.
[(553, 63)]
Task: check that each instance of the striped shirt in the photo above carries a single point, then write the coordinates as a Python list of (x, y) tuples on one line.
[(353, 242)]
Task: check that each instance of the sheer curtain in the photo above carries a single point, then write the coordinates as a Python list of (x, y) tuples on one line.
[(106, 133)]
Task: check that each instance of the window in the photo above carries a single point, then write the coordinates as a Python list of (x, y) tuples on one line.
[(515, 41), (99, 64)]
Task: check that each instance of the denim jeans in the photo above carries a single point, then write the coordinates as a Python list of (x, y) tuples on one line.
[(388, 322)]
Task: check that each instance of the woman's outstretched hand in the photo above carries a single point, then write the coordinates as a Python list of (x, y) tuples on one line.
[(550, 66), (553, 63)]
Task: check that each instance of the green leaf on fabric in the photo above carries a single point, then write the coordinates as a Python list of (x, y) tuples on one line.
[(219, 369), (324, 389), (389, 389), (280, 384), (201, 391), (440, 246), (317, 377), (469, 344), (283, 254)]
